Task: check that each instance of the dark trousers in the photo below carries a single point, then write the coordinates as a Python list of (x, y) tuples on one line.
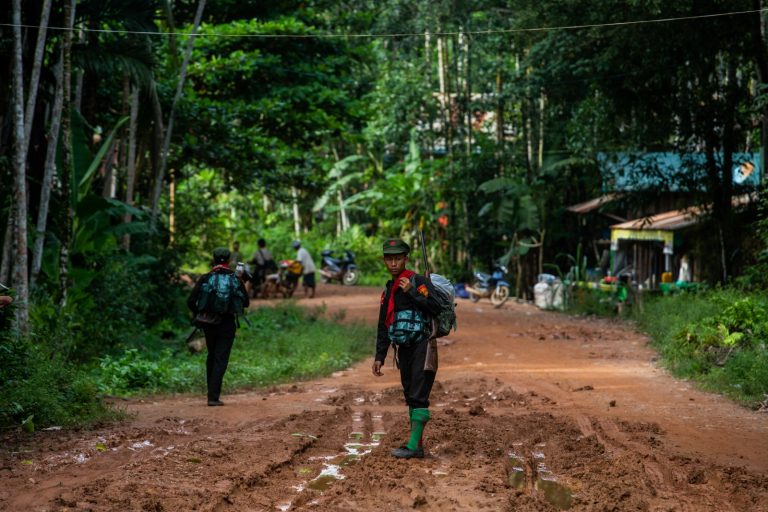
[(417, 384), (218, 340)]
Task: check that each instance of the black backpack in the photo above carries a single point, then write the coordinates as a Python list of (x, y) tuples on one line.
[(268, 266)]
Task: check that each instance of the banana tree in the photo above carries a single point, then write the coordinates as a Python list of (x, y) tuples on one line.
[(341, 178)]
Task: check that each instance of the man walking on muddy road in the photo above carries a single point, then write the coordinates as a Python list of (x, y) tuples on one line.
[(216, 301), (405, 321)]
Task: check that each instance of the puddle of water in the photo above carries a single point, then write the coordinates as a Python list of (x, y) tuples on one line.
[(517, 472), (141, 445), (556, 493), (329, 474), (332, 464)]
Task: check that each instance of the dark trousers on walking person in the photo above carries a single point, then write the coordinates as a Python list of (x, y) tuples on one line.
[(218, 339), (417, 385)]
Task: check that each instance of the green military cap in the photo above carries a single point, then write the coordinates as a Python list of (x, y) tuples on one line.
[(396, 246), (221, 255)]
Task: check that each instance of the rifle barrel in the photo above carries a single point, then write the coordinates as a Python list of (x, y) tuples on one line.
[(424, 253)]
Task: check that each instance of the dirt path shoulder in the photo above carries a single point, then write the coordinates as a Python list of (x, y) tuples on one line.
[(531, 411)]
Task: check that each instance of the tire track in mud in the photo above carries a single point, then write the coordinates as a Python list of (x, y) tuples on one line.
[(338, 440), (579, 463), (637, 450)]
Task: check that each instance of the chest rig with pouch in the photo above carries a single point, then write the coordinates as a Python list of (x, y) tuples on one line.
[(410, 326)]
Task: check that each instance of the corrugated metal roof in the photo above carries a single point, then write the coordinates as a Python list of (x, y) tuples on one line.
[(592, 204), (676, 219), (668, 221)]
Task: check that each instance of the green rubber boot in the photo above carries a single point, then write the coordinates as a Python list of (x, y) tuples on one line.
[(419, 418)]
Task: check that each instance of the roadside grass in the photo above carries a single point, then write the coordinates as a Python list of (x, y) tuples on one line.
[(716, 338), (40, 389), (282, 344)]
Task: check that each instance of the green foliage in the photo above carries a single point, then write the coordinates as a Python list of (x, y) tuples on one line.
[(39, 388), (592, 302), (114, 300), (281, 344), (716, 338)]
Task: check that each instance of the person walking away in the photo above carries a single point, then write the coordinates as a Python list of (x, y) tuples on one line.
[(216, 300), (308, 264), (405, 321), (263, 264)]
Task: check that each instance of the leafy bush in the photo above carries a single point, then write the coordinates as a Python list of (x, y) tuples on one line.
[(717, 338), (281, 344), (592, 302), (39, 389), (112, 304)]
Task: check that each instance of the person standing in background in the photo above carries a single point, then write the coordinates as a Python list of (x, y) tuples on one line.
[(308, 265)]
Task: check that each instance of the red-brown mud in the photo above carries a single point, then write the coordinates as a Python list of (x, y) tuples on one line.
[(531, 411)]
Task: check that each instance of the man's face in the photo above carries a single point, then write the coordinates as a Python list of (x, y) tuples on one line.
[(395, 263)]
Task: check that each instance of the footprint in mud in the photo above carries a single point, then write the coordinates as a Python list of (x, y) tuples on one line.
[(361, 442), (527, 471)]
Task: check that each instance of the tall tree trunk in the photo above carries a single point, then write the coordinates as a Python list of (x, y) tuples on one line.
[(467, 90), (428, 78), (5, 264), (160, 175), (542, 105), (761, 58), (20, 257), (66, 177), (77, 99), (47, 183), (499, 118), (458, 77), (172, 208), (34, 79), (527, 110), (445, 101), (108, 169), (296, 213), (130, 172)]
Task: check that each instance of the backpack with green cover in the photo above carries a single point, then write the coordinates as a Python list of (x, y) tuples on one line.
[(220, 294)]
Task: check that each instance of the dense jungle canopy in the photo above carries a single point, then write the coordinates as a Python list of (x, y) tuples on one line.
[(136, 135)]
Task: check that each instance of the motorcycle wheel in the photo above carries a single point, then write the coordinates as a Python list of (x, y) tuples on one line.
[(473, 296), (351, 277), (499, 296)]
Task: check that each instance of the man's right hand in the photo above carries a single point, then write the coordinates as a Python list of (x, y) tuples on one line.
[(376, 368)]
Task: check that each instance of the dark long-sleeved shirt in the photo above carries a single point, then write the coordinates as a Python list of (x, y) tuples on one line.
[(413, 299)]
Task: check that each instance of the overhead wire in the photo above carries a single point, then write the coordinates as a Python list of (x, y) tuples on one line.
[(401, 34)]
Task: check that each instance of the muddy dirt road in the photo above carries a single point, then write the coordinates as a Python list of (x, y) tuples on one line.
[(531, 411)]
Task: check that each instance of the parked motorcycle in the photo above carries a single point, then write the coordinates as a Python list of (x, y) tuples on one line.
[(341, 269), (494, 286), (284, 282)]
